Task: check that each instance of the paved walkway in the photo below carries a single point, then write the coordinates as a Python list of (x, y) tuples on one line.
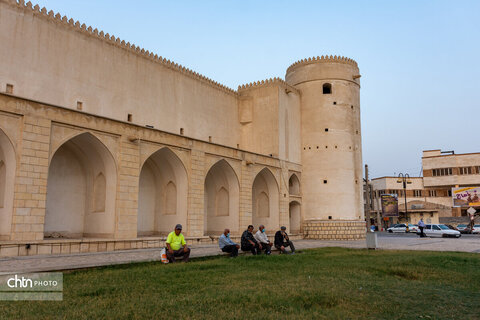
[(87, 260)]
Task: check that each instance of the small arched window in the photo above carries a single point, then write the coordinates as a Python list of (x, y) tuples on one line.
[(99, 192), (327, 88), (222, 203), (170, 198)]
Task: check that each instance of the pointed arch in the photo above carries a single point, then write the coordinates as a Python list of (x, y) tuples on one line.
[(82, 178), (294, 185), (265, 200), (221, 199), (74, 135), (7, 177), (163, 193), (295, 216)]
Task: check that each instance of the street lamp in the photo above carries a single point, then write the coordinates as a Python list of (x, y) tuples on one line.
[(404, 178)]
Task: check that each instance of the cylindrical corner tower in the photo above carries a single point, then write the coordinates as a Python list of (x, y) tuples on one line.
[(331, 147)]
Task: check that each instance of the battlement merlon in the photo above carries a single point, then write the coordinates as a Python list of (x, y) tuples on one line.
[(266, 83), (57, 17), (323, 68)]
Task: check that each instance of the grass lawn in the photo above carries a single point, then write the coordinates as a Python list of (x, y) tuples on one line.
[(332, 283)]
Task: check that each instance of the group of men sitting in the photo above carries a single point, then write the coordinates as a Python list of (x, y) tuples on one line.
[(256, 243), (177, 247)]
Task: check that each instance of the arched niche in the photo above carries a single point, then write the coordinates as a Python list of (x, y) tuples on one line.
[(7, 177), (162, 198), (221, 199), (294, 185), (81, 187), (295, 217), (265, 200)]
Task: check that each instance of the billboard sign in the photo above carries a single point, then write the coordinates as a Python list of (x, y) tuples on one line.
[(466, 197), (389, 205)]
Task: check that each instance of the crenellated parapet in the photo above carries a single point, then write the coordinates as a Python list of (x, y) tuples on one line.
[(320, 59), (111, 39), (267, 82)]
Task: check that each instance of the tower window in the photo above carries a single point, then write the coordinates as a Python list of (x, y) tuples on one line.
[(79, 105), (327, 88), (9, 88), (129, 117), (326, 129)]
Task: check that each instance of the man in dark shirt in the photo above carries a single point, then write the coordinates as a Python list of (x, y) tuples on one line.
[(249, 243), (282, 241)]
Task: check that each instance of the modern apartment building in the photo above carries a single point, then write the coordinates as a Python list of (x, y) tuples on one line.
[(444, 170), (429, 197)]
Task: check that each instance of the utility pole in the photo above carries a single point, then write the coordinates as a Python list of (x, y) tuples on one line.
[(367, 198), (405, 179)]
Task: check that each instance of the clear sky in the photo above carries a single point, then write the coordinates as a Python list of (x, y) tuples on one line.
[(419, 60)]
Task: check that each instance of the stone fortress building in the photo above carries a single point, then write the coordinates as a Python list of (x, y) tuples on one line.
[(104, 145)]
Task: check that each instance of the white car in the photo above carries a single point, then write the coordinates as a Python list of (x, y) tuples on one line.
[(476, 229), (461, 227), (439, 230), (399, 227)]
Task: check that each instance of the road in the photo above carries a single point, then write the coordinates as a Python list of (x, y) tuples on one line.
[(413, 235), (410, 241)]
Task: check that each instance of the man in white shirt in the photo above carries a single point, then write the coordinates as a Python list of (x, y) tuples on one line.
[(262, 239)]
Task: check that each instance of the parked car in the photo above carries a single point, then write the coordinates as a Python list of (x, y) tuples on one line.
[(476, 229), (461, 227), (439, 230), (412, 228), (466, 230), (399, 227)]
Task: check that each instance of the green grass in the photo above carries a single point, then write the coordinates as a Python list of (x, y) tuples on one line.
[(331, 283)]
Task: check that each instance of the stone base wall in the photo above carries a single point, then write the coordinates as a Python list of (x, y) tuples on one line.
[(72, 246), (334, 230)]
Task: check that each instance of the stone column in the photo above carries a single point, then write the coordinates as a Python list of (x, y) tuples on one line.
[(127, 189), (196, 182), (30, 194), (245, 197), (284, 197)]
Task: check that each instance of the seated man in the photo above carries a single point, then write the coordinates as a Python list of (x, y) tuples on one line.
[(227, 245), (282, 241), (262, 239), (249, 243), (176, 245)]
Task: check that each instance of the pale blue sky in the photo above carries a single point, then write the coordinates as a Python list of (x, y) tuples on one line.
[(419, 60)]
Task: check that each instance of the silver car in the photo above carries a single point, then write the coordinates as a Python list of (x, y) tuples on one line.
[(439, 230), (399, 227)]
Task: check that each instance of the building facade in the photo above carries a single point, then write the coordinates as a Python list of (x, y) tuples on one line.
[(444, 170), (101, 139), (418, 203), (430, 196)]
